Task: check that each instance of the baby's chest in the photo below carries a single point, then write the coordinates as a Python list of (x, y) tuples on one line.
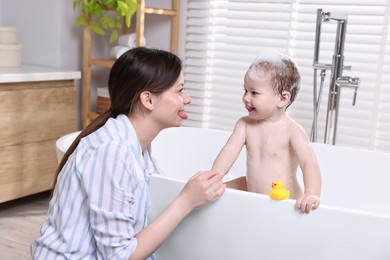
[(268, 141)]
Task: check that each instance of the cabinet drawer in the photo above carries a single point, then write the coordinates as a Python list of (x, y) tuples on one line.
[(35, 112), (26, 169)]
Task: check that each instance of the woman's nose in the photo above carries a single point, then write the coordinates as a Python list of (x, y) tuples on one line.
[(187, 98)]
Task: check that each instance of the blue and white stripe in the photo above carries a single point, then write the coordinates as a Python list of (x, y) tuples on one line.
[(101, 198)]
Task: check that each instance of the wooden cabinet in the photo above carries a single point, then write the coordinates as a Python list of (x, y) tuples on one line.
[(33, 116), (88, 115)]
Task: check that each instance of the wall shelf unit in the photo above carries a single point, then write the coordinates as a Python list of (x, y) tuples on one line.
[(173, 13)]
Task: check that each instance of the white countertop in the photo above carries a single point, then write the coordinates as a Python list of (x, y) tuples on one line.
[(28, 73)]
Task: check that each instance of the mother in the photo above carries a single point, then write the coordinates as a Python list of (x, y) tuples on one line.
[(100, 198)]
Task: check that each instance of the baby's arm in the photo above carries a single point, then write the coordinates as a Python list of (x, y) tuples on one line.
[(229, 153), (311, 171)]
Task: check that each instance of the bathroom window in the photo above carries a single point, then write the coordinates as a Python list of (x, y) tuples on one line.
[(223, 37)]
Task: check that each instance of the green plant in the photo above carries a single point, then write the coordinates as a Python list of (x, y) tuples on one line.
[(105, 15)]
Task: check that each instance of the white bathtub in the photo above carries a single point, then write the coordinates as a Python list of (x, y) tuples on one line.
[(353, 221)]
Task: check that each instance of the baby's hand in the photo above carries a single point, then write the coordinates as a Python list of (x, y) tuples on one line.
[(307, 202)]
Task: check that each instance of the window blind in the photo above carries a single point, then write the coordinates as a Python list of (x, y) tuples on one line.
[(223, 37)]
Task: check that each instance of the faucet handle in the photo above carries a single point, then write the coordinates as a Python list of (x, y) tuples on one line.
[(348, 81), (351, 82)]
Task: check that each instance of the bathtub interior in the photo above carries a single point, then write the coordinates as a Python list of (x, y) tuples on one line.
[(352, 178), (181, 152)]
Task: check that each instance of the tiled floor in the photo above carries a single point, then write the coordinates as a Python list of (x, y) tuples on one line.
[(20, 221)]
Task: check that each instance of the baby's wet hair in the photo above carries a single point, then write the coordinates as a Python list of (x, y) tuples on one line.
[(283, 72)]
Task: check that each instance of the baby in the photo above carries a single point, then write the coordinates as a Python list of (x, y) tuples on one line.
[(275, 143)]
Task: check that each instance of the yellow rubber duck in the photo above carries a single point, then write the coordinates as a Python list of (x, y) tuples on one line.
[(278, 191)]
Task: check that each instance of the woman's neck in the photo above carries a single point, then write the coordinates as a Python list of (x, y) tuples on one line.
[(145, 130)]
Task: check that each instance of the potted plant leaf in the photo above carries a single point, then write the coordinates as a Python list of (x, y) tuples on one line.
[(105, 15)]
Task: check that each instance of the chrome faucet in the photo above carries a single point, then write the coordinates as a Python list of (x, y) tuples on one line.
[(337, 80)]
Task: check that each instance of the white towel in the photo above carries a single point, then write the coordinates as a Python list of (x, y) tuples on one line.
[(129, 40), (117, 51)]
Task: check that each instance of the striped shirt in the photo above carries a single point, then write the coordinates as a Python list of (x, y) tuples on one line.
[(101, 198)]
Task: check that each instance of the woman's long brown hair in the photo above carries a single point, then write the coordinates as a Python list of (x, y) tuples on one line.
[(137, 70)]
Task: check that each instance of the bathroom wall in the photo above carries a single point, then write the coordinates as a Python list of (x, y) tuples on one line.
[(49, 35), (43, 31)]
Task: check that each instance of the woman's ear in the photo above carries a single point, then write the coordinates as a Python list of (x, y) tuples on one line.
[(285, 98), (146, 100)]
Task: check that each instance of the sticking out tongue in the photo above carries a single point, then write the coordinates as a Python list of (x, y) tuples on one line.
[(182, 115)]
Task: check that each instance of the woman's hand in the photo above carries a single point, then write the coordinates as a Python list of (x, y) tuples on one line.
[(202, 188)]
